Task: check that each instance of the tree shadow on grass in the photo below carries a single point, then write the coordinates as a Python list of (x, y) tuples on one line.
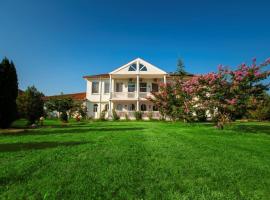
[(83, 126), (12, 147), (257, 129), (80, 125), (53, 131)]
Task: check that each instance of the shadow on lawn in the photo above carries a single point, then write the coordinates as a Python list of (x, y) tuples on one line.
[(81, 125), (257, 129), (11, 147), (70, 130)]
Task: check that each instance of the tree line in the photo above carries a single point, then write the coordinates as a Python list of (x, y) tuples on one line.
[(29, 104)]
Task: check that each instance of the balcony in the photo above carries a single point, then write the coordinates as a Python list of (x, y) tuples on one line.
[(130, 95), (123, 95)]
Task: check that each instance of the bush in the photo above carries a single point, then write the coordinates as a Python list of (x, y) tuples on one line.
[(150, 115), (126, 117), (115, 115), (102, 115), (30, 105), (261, 109), (64, 117), (201, 115), (138, 115)]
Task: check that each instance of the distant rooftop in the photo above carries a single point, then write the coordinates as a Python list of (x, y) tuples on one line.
[(75, 96)]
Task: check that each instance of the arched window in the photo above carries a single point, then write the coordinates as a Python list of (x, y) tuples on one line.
[(95, 107), (143, 107), (155, 108), (106, 107), (131, 107), (142, 67), (119, 107), (132, 67)]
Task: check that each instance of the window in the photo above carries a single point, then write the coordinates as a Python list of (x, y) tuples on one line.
[(143, 107), (95, 108), (132, 67), (142, 68), (119, 87), (119, 107), (95, 87), (143, 87), (107, 87), (131, 107), (154, 87), (131, 87), (155, 108), (106, 107)]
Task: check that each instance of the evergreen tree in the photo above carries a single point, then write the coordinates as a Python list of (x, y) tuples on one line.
[(8, 93), (31, 105), (180, 70)]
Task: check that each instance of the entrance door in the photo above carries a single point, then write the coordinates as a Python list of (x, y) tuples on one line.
[(95, 111)]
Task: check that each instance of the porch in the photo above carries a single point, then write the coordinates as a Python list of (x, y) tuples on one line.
[(146, 115), (128, 108)]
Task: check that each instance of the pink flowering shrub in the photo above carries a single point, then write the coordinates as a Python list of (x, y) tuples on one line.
[(224, 93)]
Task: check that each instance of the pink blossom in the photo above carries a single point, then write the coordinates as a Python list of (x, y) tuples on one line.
[(220, 67), (257, 74), (232, 101)]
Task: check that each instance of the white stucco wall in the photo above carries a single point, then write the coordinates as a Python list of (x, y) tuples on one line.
[(96, 97)]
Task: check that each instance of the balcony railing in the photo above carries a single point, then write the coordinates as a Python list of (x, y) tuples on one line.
[(130, 95), (124, 95), (145, 114)]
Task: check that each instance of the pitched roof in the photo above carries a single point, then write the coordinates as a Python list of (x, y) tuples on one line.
[(97, 76), (20, 92), (140, 61), (75, 96)]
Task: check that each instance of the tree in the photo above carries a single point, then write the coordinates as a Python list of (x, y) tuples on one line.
[(79, 110), (31, 105), (222, 94), (8, 94), (180, 70), (259, 109), (170, 100), (226, 92), (61, 105)]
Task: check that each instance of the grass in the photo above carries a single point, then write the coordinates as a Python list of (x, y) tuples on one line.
[(135, 160)]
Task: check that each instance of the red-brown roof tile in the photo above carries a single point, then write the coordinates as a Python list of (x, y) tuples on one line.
[(75, 96)]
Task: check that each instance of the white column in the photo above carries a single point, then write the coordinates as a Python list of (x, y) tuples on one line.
[(110, 100), (138, 86), (100, 95), (110, 86), (165, 81)]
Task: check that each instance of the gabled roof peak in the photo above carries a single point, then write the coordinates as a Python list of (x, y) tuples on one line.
[(141, 61)]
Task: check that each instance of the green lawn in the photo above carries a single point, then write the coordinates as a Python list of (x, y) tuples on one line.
[(135, 160)]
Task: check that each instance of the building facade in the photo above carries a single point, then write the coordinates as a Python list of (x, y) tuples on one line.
[(124, 90)]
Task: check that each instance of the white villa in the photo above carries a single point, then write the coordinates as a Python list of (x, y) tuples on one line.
[(125, 89)]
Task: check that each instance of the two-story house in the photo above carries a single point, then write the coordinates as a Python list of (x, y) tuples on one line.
[(125, 89)]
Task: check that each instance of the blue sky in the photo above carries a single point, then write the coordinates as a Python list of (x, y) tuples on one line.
[(55, 43)]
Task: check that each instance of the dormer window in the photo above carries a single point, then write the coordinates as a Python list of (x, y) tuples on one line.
[(132, 67), (143, 68)]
